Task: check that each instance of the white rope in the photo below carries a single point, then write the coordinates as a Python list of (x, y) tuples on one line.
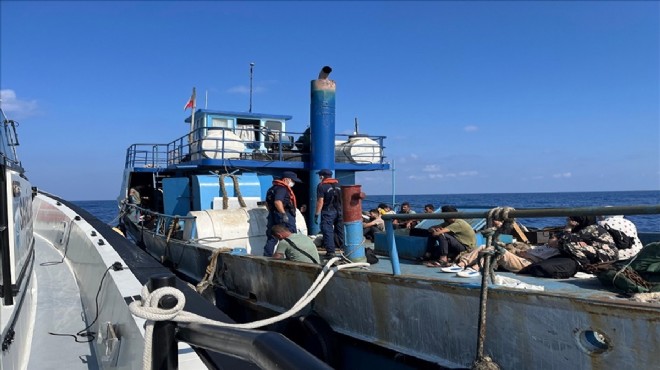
[(147, 308)]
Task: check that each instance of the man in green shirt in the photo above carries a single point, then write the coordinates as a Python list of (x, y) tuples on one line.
[(449, 239), (294, 247)]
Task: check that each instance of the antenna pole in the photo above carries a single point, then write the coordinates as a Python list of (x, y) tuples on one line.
[(251, 73)]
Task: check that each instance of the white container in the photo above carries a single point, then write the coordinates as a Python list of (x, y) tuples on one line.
[(359, 149), (219, 144), (234, 228)]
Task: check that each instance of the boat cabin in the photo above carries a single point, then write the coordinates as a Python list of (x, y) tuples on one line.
[(196, 171)]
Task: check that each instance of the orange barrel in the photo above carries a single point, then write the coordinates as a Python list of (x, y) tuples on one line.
[(351, 200)]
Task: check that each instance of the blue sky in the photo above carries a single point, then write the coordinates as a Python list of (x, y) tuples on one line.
[(474, 97)]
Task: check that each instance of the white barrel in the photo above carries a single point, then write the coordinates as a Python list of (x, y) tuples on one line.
[(234, 228), (358, 150)]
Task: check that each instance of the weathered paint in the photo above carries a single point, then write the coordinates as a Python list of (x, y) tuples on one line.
[(322, 124), (351, 198), (353, 244), (434, 316)]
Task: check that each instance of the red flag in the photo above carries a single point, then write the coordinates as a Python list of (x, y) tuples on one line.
[(191, 102)]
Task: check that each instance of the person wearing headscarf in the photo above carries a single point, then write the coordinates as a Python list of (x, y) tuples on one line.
[(586, 242)]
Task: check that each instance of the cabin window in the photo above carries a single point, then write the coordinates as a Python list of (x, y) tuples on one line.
[(247, 130), (221, 122)]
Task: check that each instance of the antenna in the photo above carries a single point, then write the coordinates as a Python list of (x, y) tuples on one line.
[(356, 127), (251, 68)]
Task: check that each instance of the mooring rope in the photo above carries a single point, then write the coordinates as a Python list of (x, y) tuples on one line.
[(489, 257), (223, 189), (207, 281), (237, 190), (147, 308)]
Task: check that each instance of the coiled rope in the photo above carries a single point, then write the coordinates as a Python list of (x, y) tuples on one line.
[(147, 308)]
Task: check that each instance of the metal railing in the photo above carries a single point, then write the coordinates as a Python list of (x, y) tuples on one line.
[(512, 213), (161, 224), (219, 143)]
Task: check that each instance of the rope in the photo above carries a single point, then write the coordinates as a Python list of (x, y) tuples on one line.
[(489, 257), (147, 308), (168, 253), (207, 281), (237, 190), (225, 198)]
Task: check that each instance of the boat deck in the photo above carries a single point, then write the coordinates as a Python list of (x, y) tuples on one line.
[(59, 310), (584, 286)]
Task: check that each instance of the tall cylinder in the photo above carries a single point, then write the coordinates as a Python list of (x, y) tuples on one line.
[(322, 124), (351, 200), (165, 353), (352, 196)]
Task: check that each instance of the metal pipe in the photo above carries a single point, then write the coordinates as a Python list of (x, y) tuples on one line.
[(352, 196), (251, 73), (165, 351), (391, 242), (537, 213), (322, 129)]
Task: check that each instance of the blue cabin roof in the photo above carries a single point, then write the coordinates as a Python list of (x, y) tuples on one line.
[(240, 115)]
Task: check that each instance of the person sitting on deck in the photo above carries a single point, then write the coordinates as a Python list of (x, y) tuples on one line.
[(582, 244), (516, 257), (374, 225), (294, 247), (627, 227), (384, 209), (405, 224), (448, 240), (429, 208)]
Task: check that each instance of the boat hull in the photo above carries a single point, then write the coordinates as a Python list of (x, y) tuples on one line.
[(437, 321)]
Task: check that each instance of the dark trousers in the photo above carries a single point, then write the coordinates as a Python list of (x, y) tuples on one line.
[(275, 218), (444, 245), (332, 228), (369, 233)]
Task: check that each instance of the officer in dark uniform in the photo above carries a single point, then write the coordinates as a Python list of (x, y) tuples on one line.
[(281, 203), (328, 206)]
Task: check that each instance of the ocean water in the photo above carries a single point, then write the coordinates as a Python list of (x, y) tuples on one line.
[(107, 210)]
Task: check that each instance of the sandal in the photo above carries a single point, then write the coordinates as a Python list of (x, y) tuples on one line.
[(432, 264)]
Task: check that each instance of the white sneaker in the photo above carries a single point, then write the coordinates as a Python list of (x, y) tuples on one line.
[(452, 268), (468, 273)]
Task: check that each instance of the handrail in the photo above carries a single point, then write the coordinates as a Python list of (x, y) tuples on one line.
[(162, 221), (268, 144), (537, 213), (511, 213), (154, 213)]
